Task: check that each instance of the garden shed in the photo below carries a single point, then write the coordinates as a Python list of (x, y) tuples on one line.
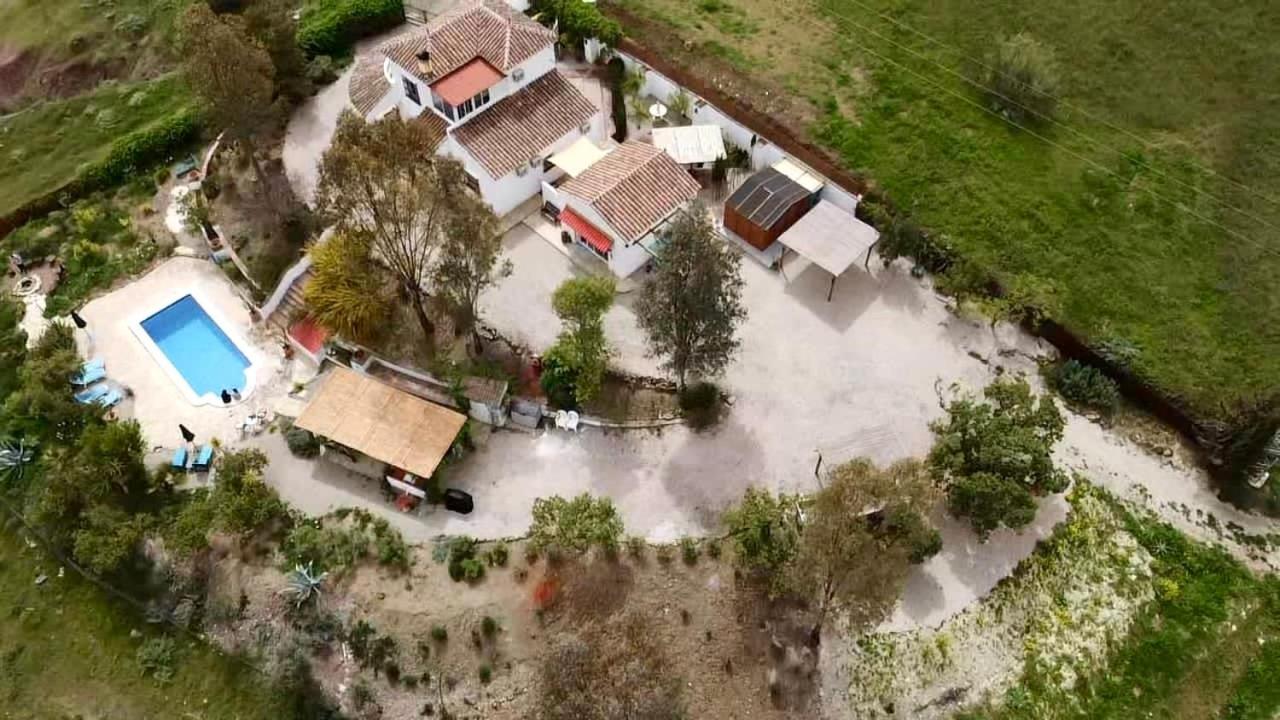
[(767, 205)]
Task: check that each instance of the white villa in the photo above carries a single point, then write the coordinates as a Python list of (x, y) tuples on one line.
[(486, 74), (617, 206)]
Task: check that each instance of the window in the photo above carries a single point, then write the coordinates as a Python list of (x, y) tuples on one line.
[(470, 105), (547, 165), (411, 90), (473, 183), (517, 74), (584, 128)]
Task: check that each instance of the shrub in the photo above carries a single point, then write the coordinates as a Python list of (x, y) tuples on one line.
[(636, 546), (665, 554), (498, 555), (463, 563), (489, 626), (689, 550), (302, 443), (1085, 385), (700, 403), (140, 149), (486, 673), (575, 524), (439, 633), (331, 27), (1023, 79), (713, 549), (322, 70), (157, 657)]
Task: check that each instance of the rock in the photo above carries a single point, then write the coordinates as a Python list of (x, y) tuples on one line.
[(41, 579), (135, 634)]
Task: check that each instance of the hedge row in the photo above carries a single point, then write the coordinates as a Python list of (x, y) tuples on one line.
[(133, 153), (331, 27)]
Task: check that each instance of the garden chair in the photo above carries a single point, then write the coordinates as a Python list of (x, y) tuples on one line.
[(204, 459), (571, 422), (93, 394), (179, 459), (111, 399)]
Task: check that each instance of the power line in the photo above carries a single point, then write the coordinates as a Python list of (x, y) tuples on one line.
[(1237, 235), (1055, 121), (1100, 120)]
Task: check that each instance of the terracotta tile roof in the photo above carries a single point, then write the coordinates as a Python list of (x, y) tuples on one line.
[(634, 187), (520, 127), (489, 29), (367, 86)]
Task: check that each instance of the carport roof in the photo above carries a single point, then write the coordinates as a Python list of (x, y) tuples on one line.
[(830, 237), (765, 197), (382, 422)]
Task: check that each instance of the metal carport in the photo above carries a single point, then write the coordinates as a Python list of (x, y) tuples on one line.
[(830, 238)]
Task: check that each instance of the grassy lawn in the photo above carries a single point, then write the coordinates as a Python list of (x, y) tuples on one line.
[(1149, 217), (66, 651), (45, 146), (123, 29)]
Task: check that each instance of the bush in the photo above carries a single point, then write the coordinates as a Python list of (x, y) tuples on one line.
[(576, 525), (617, 73), (302, 443), (139, 150), (636, 546), (322, 70), (489, 626), (498, 555), (486, 673), (700, 403), (157, 656), (1085, 385), (665, 554), (439, 633), (689, 550), (331, 27), (463, 563), (1023, 79)]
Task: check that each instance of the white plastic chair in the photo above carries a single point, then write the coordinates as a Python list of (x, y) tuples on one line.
[(571, 423), (562, 419)]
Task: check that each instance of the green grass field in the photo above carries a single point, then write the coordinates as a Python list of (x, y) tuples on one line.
[(1150, 214), (108, 29), (65, 652), (46, 145)]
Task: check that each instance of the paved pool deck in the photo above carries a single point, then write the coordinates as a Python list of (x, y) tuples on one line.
[(157, 403)]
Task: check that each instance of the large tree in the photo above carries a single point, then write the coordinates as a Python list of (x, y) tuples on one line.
[(383, 181), (232, 74), (862, 532), (469, 260), (272, 23), (348, 291), (692, 306), (848, 547), (573, 368), (995, 455)]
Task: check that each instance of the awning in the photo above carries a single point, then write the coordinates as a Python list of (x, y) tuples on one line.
[(801, 176), (577, 157), (589, 233), (464, 83), (691, 144), (830, 237), (382, 422)]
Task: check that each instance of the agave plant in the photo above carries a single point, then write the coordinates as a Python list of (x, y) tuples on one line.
[(15, 456), (304, 584)]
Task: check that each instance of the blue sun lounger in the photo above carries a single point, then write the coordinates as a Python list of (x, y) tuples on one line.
[(110, 399), (204, 459), (91, 372), (93, 394), (179, 459)]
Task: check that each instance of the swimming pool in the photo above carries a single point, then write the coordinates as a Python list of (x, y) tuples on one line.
[(198, 350)]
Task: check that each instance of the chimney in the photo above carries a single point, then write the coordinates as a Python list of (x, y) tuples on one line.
[(424, 63)]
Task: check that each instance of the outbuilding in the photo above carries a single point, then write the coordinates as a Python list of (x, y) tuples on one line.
[(768, 203)]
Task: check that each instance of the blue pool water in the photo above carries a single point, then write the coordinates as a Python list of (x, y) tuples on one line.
[(197, 347)]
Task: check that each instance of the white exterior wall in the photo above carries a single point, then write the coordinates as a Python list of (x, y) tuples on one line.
[(763, 155), (624, 258), (505, 194)]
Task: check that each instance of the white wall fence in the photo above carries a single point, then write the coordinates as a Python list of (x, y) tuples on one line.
[(763, 155)]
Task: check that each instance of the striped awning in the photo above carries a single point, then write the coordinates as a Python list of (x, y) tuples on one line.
[(589, 233)]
